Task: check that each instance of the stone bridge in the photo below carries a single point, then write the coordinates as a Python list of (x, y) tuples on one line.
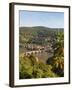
[(34, 52)]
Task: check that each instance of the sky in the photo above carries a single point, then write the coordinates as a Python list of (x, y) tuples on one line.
[(38, 18)]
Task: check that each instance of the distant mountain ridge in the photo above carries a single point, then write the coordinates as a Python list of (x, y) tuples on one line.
[(40, 27)]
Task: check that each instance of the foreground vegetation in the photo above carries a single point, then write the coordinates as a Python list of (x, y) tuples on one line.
[(32, 67)]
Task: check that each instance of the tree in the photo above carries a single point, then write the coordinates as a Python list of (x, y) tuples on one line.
[(31, 68), (57, 61)]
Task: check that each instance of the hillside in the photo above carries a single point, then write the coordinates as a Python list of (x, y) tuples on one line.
[(41, 52), (38, 35)]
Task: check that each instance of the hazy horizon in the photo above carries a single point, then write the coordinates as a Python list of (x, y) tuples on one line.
[(38, 26)]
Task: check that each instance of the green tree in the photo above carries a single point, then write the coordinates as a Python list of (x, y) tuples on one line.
[(58, 58), (29, 67)]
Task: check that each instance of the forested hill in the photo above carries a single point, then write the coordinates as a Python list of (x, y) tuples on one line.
[(40, 28), (37, 35)]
